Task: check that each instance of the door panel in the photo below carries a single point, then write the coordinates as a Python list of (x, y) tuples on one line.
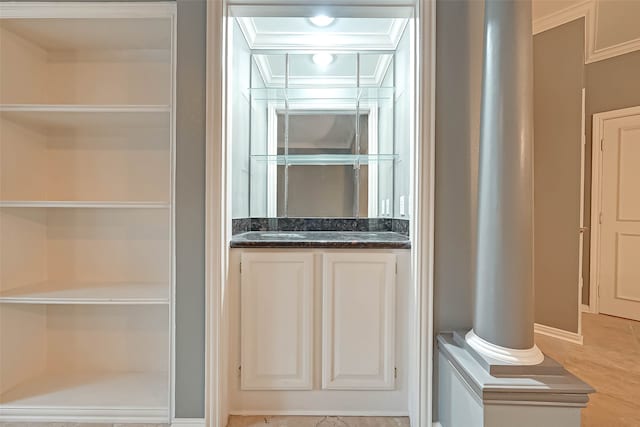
[(358, 321), (620, 229), (276, 321)]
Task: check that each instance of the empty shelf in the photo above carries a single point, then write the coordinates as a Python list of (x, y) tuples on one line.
[(82, 205), (89, 396), (53, 292), (60, 117)]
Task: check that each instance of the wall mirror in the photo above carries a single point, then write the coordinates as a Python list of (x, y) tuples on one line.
[(321, 135)]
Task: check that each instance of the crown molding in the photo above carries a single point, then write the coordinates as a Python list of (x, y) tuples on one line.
[(588, 10), (305, 40), (563, 16), (248, 28)]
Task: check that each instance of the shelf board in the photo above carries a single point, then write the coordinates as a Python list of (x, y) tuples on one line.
[(324, 159), (89, 396), (319, 94), (60, 117), (59, 292), (82, 205)]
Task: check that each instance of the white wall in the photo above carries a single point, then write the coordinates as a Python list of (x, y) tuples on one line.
[(239, 76), (385, 145), (259, 129), (404, 121)]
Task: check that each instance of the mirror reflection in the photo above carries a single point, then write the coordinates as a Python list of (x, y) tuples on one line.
[(323, 135)]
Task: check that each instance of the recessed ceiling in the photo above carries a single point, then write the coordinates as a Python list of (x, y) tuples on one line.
[(343, 35)]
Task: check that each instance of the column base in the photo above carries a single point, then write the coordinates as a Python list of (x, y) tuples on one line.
[(523, 395), (512, 356)]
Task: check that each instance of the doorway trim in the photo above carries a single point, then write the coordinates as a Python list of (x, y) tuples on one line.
[(597, 142), (218, 227)]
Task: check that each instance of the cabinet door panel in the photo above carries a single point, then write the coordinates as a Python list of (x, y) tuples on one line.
[(276, 321), (358, 321)]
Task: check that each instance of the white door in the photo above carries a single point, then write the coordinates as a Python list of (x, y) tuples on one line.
[(276, 321), (358, 321), (620, 228)]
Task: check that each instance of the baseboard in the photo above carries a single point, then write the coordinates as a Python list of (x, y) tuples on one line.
[(188, 422), (571, 337), (585, 308), (322, 413), (436, 424)]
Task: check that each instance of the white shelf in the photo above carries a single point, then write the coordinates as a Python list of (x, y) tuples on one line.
[(87, 116), (53, 292), (115, 397), (82, 205)]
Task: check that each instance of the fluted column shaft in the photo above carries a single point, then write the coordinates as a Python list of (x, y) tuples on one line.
[(504, 272)]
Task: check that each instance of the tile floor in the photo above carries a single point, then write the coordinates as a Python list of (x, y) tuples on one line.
[(609, 360), (262, 421)]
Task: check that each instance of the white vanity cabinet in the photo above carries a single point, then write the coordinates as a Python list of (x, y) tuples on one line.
[(319, 329)]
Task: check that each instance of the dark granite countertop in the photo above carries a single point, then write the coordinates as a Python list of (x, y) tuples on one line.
[(321, 239)]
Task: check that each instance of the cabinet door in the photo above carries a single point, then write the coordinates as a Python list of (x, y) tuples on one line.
[(276, 321), (358, 321)]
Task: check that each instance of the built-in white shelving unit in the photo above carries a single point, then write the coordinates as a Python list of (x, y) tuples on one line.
[(87, 120)]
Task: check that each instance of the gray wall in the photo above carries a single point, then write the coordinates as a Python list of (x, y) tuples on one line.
[(459, 31), (611, 84), (458, 73), (558, 82), (190, 218)]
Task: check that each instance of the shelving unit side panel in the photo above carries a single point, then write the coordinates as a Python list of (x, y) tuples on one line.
[(107, 338), (23, 349), (23, 162), (23, 69), (108, 245), (23, 247), (127, 166)]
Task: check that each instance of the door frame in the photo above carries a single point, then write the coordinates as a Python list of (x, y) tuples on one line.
[(218, 215), (597, 138)]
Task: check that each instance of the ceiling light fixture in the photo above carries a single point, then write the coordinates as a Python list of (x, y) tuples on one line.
[(323, 59), (321, 20)]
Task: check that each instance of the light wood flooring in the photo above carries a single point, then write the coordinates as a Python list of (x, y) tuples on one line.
[(609, 360)]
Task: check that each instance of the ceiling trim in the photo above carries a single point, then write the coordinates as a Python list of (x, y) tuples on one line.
[(588, 10), (388, 40), (336, 41)]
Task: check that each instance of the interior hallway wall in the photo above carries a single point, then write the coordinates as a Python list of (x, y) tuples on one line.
[(558, 83)]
